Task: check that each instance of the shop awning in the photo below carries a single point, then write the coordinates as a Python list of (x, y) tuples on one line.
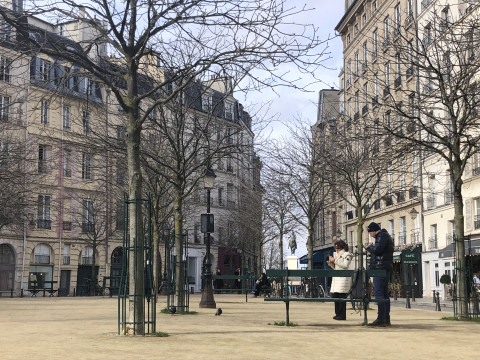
[(397, 256), (318, 256)]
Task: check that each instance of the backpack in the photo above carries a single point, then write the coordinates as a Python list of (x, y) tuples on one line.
[(359, 288)]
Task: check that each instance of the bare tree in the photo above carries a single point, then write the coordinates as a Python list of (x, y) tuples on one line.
[(439, 115), (278, 206), (246, 40)]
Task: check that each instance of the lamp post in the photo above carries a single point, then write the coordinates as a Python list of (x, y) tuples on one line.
[(166, 239), (413, 213), (207, 223)]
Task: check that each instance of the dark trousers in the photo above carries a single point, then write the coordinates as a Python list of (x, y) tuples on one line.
[(380, 289), (340, 307)]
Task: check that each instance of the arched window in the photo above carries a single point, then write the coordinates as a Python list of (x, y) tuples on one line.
[(42, 254), (7, 267), (87, 256)]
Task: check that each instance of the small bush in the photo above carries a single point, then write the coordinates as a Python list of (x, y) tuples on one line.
[(159, 334), (453, 318), (283, 323)]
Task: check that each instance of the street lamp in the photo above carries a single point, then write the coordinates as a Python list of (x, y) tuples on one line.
[(207, 226), (413, 213), (166, 239)]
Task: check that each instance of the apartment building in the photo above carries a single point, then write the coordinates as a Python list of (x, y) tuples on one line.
[(385, 82), (74, 219)]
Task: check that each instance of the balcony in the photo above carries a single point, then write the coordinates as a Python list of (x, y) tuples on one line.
[(400, 196), (448, 197), (409, 71), (410, 127), (386, 91), (449, 238), (409, 20), (388, 200), (398, 82), (88, 227), (425, 4), (476, 222), (415, 237), (432, 242), (44, 224), (364, 109), (413, 192)]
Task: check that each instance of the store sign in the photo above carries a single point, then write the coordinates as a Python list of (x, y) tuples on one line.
[(409, 257)]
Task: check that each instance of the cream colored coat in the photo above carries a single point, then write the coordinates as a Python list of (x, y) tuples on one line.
[(342, 262)]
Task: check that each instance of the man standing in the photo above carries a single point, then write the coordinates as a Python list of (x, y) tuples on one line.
[(381, 259)]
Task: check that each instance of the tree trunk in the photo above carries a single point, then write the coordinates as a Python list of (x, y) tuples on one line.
[(179, 266), (360, 223), (280, 248)]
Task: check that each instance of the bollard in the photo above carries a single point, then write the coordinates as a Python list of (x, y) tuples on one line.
[(407, 303), (434, 299), (11, 293), (437, 307), (413, 295), (74, 292), (21, 293)]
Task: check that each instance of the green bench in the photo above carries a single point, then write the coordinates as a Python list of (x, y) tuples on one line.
[(287, 275), (246, 279)]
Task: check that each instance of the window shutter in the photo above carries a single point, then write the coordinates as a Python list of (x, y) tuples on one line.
[(468, 214)]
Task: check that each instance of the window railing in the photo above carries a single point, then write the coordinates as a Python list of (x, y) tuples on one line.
[(400, 196), (388, 200), (448, 197), (476, 222), (415, 237), (449, 238), (432, 242), (402, 238), (42, 259), (364, 109), (376, 204), (67, 225), (87, 260), (88, 227), (398, 82), (44, 224)]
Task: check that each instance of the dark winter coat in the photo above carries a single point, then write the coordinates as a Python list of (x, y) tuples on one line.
[(382, 252)]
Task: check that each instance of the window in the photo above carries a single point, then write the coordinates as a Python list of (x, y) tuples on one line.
[(86, 122), (375, 44), (427, 35), (220, 196), (348, 39), (44, 70), (386, 29), (409, 12), (391, 229), (66, 254), (398, 20), (374, 6), (402, 234), (43, 151), (432, 241), (228, 111), (88, 216), (5, 31), (357, 64), (86, 166), (66, 117), (398, 78), (43, 212), (4, 108), (42, 254), (66, 163), (364, 19), (87, 256), (230, 199), (206, 103), (44, 105), (5, 65), (365, 56), (387, 74)]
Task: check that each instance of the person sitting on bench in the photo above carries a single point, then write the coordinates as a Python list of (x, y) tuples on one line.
[(261, 284)]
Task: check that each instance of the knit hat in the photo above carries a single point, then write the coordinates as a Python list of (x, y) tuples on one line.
[(373, 227)]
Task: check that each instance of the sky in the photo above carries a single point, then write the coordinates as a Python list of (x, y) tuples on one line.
[(290, 103)]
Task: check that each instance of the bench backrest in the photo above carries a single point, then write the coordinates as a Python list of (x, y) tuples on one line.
[(319, 273)]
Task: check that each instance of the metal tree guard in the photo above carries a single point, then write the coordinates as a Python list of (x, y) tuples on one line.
[(469, 289), (172, 299), (127, 291)]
